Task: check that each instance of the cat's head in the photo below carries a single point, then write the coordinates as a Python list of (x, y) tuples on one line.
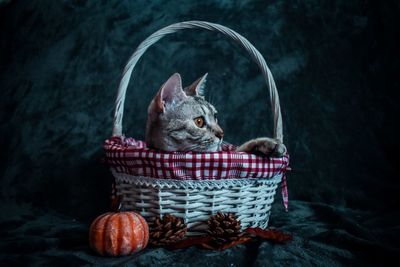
[(181, 120)]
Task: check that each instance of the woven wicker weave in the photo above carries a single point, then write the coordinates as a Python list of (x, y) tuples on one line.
[(196, 200)]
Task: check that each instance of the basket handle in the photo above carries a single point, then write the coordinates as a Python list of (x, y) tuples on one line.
[(255, 55)]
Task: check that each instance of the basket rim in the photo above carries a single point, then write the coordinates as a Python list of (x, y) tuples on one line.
[(126, 155), (195, 184)]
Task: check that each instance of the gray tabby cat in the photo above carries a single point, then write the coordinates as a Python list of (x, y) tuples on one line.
[(181, 120)]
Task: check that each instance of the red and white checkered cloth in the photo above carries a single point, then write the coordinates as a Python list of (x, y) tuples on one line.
[(126, 155)]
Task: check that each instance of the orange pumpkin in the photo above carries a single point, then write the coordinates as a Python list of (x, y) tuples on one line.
[(119, 234)]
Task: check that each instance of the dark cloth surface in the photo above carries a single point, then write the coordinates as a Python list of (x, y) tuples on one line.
[(323, 235), (336, 67)]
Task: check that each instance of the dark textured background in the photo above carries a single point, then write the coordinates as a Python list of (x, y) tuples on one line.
[(335, 64)]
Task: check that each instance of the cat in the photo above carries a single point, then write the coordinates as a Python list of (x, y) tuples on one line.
[(180, 119)]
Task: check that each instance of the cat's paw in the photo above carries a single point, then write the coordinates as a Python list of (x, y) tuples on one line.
[(266, 146), (270, 147)]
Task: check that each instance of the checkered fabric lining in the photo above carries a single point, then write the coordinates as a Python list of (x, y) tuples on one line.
[(126, 155)]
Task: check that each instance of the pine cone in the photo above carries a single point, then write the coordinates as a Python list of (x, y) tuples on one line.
[(224, 228), (168, 230)]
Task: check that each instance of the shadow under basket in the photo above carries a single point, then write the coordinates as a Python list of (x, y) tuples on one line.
[(192, 185)]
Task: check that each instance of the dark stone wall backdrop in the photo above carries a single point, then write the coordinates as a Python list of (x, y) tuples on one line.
[(335, 63)]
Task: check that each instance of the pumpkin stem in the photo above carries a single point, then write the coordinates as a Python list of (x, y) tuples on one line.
[(119, 205)]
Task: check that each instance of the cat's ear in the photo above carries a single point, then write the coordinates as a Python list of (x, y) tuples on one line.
[(169, 94), (197, 88)]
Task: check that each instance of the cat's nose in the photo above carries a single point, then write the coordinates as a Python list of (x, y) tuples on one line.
[(219, 133)]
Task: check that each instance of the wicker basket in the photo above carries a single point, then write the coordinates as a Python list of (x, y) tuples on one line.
[(195, 199)]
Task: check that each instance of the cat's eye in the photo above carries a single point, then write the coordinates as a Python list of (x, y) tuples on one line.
[(199, 121)]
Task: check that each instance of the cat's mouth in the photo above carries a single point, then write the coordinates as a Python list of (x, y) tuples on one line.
[(209, 147), (216, 147)]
